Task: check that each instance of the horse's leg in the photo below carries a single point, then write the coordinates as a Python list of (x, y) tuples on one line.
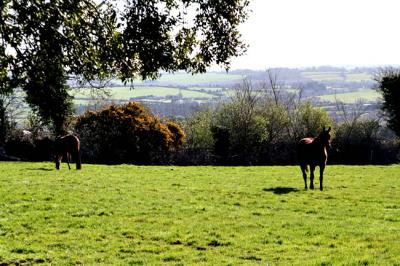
[(312, 168), (304, 171), (321, 176), (68, 160), (58, 161)]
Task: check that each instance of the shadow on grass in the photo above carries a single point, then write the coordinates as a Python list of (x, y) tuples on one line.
[(281, 190), (39, 169)]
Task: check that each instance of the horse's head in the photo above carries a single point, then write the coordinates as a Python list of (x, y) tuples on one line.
[(325, 137)]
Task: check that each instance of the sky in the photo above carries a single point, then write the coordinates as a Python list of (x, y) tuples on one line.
[(302, 33)]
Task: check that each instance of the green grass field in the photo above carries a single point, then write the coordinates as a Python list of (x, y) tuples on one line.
[(186, 79), (367, 95), (125, 93), (357, 77), (323, 76), (152, 215), (337, 76)]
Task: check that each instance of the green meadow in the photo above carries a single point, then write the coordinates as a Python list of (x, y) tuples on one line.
[(168, 215), (126, 93), (170, 87), (337, 76), (367, 95), (186, 78)]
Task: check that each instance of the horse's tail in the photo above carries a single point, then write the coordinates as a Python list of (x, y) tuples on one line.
[(78, 160), (78, 154)]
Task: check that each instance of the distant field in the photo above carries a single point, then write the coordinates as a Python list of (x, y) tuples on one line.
[(206, 89), (368, 95), (167, 215), (323, 76), (337, 76), (183, 78), (125, 93), (186, 79), (357, 77)]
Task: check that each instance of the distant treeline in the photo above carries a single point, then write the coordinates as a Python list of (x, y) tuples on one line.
[(258, 126)]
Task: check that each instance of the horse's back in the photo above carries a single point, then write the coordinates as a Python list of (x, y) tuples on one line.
[(68, 143), (307, 153), (304, 146), (305, 141)]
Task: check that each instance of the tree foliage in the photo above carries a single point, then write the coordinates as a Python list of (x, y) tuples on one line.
[(388, 84), (180, 35), (309, 120), (127, 134), (238, 126), (44, 42), (260, 124)]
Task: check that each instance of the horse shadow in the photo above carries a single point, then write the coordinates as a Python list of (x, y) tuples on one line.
[(39, 169), (281, 190)]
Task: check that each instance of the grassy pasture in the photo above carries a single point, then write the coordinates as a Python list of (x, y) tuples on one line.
[(351, 97), (152, 215), (125, 93), (186, 79), (323, 76), (357, 77), (337, 76)]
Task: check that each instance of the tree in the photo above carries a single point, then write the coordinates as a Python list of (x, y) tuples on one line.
[(309, 121), (47, 41), (277, 121), (44, 42), (198, 129), (4, 92), (239, 126), (7, 83), (388, 84)]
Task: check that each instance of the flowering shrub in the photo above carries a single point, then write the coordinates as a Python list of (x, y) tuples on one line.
[(127, 134)]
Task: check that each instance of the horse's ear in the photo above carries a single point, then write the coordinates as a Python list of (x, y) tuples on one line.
[(323, 128), (329, 129)]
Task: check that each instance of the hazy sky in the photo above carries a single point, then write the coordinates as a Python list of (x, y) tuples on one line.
[(295, 33)]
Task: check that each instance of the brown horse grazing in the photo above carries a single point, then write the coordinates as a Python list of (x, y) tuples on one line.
[(312, 151), (68, 145)]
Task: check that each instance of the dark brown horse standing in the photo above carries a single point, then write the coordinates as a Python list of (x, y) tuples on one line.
[(68, 145), (312, 151)]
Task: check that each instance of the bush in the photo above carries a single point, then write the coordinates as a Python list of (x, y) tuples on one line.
[(29, 147), (127, 134), (363, 142)]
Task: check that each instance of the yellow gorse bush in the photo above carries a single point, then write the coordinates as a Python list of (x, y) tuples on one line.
[(127, 134)]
